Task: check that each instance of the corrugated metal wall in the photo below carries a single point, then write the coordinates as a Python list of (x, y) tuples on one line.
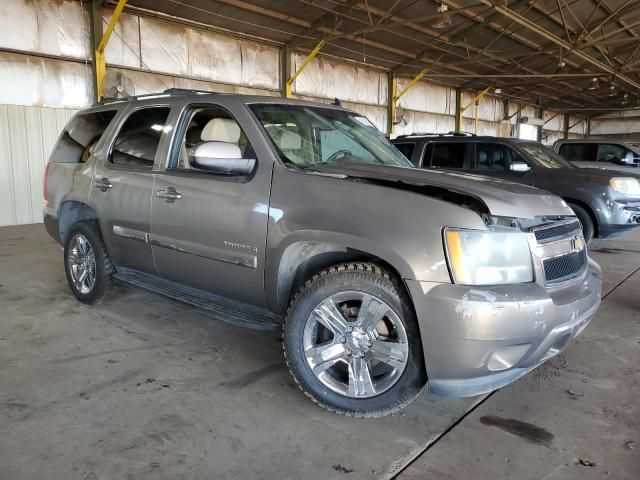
[(27, 136)]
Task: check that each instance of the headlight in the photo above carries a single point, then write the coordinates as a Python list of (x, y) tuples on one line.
[(488, 258), (627, 185)]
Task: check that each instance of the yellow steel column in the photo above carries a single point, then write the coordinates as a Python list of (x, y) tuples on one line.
[(101, 68), (395, 97), (477, 97), (311, 56)]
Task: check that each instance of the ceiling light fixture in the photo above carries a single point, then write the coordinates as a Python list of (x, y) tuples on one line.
[(443, 20), (595, 85), (498, 90)]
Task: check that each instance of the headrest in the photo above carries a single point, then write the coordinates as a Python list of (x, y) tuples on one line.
[(496, 156), (221, 130), (482, 156), (289, 140)]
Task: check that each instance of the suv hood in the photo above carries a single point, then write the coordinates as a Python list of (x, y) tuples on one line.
[(600, 176), (502, 198)]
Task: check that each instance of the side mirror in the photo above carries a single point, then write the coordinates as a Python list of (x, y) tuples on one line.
[(519, 167), (222, 158)]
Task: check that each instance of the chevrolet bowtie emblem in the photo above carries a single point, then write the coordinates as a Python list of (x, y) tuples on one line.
[(577, 243)]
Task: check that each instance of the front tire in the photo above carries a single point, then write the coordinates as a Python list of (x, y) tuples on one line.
[(86, 263), (352, 344), (588, 228)]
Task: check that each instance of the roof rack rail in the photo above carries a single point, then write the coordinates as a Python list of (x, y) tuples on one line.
[(168, 91), (187, 91), (432, 134)]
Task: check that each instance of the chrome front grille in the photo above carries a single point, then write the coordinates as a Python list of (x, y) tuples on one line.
[(552, 232), (561, 250), (565, 267)]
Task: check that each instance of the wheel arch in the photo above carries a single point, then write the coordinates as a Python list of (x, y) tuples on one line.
[(302, 259), (72, 212), (587, 208)]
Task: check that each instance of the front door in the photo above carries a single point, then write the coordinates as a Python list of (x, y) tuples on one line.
[(208, 229), (122, 186), (494, 159)]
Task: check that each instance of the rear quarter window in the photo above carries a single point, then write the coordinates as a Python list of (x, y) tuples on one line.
[(406, 149), (81, 133)]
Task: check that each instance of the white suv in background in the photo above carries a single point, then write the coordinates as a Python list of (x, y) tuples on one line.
[(601, 153)]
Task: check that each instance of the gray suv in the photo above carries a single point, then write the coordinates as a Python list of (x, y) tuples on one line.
[(606, 203), (606, 153), (267, 212)]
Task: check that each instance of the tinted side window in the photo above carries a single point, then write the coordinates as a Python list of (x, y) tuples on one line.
[(612, 153), (406, 149), (449, 155), (80, 134), (139, 137), (576, 152), (494, 157)]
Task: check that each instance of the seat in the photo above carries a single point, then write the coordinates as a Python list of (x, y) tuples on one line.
[(221, 130), (496, 160), (290, 144), (483, 161)]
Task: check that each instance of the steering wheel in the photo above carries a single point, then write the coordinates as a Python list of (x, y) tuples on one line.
[(338, 154)]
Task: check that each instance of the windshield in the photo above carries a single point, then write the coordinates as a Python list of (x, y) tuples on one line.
[(545, 157), (635, 146), (316, 136)]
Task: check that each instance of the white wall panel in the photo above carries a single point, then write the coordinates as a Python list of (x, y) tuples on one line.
[(427, 97), (124, 45), (44, 82), (579, 125), (27, 137), (53, 27), (323, 78), (179, 50)]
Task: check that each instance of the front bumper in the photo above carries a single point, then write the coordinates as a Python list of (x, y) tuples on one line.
[(617, 217), (478, 339)]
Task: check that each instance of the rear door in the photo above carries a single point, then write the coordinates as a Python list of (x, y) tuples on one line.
[(209, 230), (448, 155), (122, 185)]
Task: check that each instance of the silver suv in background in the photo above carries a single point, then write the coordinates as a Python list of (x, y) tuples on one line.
[(606, 153), (384, 277)]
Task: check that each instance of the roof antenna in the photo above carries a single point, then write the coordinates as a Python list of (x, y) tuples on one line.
[(336, 101)]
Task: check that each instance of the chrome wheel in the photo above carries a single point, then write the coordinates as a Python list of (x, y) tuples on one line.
[(82, 264), (355, 344)]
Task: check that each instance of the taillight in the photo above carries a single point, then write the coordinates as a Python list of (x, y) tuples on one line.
[(44, 184)]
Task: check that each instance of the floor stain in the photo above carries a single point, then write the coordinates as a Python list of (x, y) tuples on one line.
[(528, 431), (251, 377)]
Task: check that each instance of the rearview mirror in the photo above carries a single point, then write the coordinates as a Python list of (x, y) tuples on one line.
[(222, 158), (519, 167)]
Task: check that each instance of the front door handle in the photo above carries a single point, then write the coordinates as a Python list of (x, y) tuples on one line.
[(103, 184), (170, 195)]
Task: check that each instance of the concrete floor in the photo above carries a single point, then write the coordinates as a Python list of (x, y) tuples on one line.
[(141, 387)]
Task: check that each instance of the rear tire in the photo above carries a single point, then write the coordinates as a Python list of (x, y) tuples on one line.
[(588, 228), (86, 263), (376, 359)]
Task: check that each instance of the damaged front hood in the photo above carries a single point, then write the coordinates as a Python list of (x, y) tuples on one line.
[(502, 198)]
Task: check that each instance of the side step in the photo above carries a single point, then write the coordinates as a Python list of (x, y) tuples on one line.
[(220, 308)]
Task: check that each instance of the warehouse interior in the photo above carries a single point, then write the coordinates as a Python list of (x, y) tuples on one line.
[(144, 387)]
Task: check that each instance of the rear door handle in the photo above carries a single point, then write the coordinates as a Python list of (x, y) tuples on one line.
[(169, 194), (103, 184)]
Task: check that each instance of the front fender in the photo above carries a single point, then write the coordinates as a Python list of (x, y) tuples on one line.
[(311, 214)]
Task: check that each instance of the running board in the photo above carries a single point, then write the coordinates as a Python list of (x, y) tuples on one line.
[(220, 308)]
